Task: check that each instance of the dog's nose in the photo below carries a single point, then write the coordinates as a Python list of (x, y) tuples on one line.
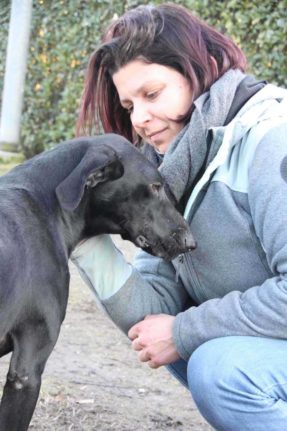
[(186, 240), (190, 242)]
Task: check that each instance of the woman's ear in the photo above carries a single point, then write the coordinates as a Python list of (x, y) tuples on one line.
[(214, 65)]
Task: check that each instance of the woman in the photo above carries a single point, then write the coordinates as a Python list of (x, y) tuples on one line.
[(216, 316)]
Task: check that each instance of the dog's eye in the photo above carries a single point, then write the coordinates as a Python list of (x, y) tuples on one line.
[(156, 187)]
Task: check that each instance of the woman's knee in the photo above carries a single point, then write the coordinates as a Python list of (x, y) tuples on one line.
[(245, 364), (217, 380), (207, 369), (240, 383)]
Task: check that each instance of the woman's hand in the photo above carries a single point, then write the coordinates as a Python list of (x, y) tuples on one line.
[(152, 338)]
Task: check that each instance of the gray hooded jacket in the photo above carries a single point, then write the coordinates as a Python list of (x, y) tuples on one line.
[(235, 282)]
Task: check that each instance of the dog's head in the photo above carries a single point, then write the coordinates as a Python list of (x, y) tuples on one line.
[(124, 194)]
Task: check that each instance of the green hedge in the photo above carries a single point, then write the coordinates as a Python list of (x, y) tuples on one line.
[(260, 29), (64, 33)]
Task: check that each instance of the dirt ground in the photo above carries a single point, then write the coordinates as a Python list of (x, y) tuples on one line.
[(93, 380)]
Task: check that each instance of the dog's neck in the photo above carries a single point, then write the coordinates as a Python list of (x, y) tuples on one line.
[(72, 227)]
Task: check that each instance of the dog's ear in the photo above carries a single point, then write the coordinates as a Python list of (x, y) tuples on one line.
[(100, 163)]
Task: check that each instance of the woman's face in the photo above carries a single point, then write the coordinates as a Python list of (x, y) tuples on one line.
[(155, 96)]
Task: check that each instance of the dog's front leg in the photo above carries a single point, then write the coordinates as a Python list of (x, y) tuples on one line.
[(18, 404), (32, 345)]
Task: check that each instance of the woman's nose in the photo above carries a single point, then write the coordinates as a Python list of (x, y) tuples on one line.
[(140, 115)]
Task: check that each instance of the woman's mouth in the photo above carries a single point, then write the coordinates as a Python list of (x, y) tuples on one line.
[(155, 135)]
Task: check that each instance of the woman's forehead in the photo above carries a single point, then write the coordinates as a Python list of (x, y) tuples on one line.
[(132, 78)]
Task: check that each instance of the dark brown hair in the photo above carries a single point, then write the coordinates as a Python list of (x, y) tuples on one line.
[(167, 34)]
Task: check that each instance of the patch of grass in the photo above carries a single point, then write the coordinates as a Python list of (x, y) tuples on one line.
[(6, 164), (6, 167)]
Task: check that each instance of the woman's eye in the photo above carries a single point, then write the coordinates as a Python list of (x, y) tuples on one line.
[(152, 95)]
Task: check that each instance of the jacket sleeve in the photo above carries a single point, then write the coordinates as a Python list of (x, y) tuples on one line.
[(260, 310), (129, 293)]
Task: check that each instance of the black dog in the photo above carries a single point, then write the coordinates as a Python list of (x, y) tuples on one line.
[(80, 188)]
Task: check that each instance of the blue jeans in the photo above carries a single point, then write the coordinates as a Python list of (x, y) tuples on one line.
[(238, 383)]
